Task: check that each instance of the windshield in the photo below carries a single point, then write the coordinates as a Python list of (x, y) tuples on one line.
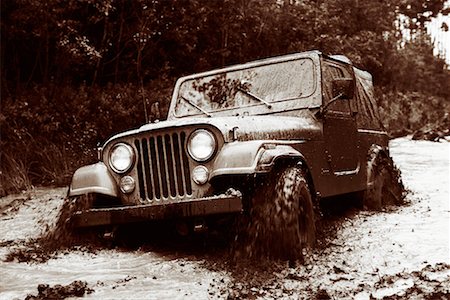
[(260, 85)]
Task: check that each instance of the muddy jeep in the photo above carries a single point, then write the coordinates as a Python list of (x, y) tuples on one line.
[(266, 139)]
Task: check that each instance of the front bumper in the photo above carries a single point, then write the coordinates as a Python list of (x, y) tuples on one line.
[(221, 204)]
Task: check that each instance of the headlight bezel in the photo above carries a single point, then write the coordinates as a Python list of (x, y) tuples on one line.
[(132, 157), (191, 145)]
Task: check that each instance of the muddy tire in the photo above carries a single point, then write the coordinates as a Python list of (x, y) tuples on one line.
[(282, 216), (385, 186)]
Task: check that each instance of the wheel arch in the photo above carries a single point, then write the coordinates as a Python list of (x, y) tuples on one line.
[(257, 159), (262, 158), (300, 161)]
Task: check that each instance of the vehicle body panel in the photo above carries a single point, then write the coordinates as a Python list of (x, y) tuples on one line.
[(94, 178)]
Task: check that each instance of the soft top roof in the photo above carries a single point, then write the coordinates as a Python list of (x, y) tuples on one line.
[(358, 72), (366, 105)]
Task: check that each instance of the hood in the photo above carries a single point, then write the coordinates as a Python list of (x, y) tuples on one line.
[(304, 127)]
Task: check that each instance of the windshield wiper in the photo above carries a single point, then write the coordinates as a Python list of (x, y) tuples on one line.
[(255, 97), (195, 106)]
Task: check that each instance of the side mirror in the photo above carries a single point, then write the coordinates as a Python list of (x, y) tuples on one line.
[(343, 88)]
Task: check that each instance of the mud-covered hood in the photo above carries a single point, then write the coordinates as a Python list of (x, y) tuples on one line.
[(246, 128)]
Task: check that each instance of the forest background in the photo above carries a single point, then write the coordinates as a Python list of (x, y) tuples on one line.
[(74, 72)]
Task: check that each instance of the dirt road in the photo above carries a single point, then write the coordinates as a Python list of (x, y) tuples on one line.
[(395, 254)]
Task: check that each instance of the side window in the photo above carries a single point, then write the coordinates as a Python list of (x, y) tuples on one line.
[(329, 72), (368, 116)]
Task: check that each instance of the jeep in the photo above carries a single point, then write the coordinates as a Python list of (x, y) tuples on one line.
[(266, 139)]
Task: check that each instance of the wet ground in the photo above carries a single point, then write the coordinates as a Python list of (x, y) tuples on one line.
[(399, 253)]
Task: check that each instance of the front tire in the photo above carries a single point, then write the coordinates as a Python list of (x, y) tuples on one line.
[(282, 215)]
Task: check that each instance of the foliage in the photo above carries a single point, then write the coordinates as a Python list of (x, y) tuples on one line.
[(416, 69), (405, 112), (48, 131), (75, 71), (122, 40)]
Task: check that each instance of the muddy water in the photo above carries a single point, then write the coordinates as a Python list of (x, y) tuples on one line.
[(369, 254), (112, 273)]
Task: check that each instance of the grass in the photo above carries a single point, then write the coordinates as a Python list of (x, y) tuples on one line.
[(14, 175)]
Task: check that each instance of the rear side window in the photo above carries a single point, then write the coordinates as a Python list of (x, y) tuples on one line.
[(368, 116)]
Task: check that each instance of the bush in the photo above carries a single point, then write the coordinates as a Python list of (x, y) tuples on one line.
[(49, 131), (405, 112)]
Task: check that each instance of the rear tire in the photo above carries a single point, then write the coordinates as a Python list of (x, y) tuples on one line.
[(385, 186), (282, 216)]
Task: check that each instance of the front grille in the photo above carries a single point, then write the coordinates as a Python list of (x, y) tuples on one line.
[(163, 167)]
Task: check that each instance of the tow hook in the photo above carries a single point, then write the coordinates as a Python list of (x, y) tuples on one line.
[(200, 226), (110, 235)]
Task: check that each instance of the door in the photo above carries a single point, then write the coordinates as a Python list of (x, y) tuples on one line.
[(339, 125)]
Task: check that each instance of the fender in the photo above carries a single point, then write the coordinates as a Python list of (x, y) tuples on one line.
[(253, 157), (93, 179)]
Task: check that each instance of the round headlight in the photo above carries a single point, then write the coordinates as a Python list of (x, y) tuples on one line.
[(201, 145), (121, 158)]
